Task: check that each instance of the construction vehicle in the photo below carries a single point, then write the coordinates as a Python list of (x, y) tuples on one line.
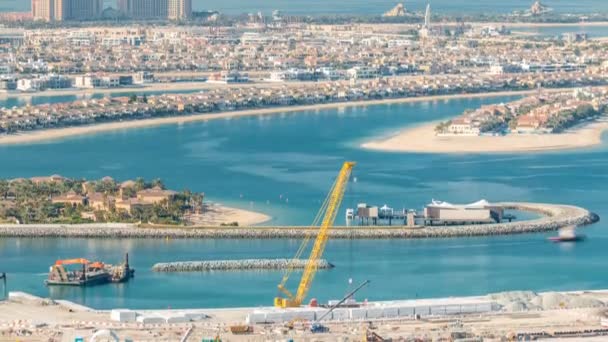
[(371, 336), (317, 328), (324, 219), (91, 273)]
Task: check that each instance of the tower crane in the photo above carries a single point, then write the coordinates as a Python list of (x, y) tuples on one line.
[(326, 216)]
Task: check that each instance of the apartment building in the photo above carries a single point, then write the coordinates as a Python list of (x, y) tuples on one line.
[(59, 10), (156, 9), (179, 9)]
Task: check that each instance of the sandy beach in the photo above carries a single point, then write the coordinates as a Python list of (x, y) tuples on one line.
[(51, 134), (422, 139), (215, 214)]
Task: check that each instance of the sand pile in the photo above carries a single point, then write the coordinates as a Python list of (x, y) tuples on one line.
[(517, 301)]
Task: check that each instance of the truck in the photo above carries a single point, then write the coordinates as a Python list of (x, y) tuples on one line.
[(317, 328)]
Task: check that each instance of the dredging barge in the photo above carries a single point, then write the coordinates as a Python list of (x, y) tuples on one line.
[(91, 273)]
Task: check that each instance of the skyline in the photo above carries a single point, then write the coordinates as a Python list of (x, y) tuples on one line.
[(318, 7)]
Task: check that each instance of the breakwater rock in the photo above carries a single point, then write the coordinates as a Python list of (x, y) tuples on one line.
[(553, 217), (228, 265)]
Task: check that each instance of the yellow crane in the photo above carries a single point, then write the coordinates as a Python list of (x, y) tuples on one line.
[(328, 212)]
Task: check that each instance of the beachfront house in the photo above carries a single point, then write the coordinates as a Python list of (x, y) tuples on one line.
[(71, 198), (131, 204), (528, 124), (464, 126), (155, 195), (99, 201)]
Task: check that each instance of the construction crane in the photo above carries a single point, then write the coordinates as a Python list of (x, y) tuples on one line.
[(326, 215)]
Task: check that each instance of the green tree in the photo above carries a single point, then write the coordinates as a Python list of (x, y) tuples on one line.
[(158, 183), (140, 184), (4, 188)]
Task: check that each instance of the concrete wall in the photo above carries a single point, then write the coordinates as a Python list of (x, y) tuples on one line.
[(385, 310)]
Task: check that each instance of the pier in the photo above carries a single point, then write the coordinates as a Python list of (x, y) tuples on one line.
[(554, 217), (230, 265)]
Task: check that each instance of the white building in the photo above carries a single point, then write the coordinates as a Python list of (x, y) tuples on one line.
[(362, 72), (30, 84), (464, 126), (438, 212)]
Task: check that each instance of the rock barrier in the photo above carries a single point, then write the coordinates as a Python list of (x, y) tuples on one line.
[(229, 265), (554, 217)]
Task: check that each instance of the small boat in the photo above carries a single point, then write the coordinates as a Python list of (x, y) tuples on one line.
[(567, 234)]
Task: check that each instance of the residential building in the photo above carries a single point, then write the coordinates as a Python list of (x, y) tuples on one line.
[(464, 126), (59, 10), (130, 204), (43, 10), (71, 198), (179, 9), (99, 201), (31, 84), (82, 9), (8, 83), (155, 195), (145, 9)]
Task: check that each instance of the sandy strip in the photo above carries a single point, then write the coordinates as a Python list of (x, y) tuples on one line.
[(216, 214), (50, 134), (422, 139)]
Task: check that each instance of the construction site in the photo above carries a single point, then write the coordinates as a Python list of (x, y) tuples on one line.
[(292, 315)]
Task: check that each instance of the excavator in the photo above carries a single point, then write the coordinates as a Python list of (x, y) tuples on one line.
[(325, 220)]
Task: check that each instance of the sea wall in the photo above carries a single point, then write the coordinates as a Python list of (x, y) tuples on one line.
[(555, 216), (228, 265)]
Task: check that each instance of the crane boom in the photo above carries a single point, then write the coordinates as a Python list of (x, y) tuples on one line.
[(330, 207)]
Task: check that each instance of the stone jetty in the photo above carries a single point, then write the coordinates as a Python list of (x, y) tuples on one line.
[(229, 265), (553, 217)]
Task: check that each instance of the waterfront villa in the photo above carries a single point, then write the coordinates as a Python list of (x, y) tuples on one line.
[(464, 126), (99, 201), (71, 198), (155, 195), (131, 204)]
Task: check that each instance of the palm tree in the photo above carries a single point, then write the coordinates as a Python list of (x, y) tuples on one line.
[(4, 187), (140, 184), (158, 183)]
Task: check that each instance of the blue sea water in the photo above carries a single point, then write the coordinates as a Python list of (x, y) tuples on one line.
[(366, 7), (260, 162)]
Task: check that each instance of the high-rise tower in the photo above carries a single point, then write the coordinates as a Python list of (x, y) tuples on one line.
[(427, 16)]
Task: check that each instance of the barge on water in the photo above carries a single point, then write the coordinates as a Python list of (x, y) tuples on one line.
[(91, 273)]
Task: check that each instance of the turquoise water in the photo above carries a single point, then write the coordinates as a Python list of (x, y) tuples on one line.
[(312, 7), (261, 162)]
